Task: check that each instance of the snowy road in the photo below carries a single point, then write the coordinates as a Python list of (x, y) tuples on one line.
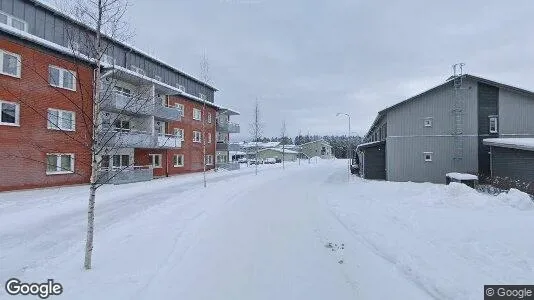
[(266, 237)]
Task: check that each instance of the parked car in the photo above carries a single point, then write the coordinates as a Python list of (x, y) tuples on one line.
[(270, 160), (278, 160), (242, 160), (254, 162)]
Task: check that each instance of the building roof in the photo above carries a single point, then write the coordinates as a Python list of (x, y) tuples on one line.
[(64, 50), (260, 144), (514, 143), (132, 48), (321, 141), (279, 150), (370, 144), (449, 81)]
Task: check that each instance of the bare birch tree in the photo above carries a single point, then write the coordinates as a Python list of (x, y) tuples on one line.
[(256, 130), (283, 132), (204, 74)]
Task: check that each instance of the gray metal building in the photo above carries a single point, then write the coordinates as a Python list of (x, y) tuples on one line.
[(441, 130)]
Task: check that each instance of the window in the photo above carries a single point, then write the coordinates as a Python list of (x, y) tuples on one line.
[(61, 119), (121, 125), (197, 114), (202, 96), (160, 127), (62, 78), (428, 122), (209, 160), (180, 107), (179, 133), (137, 70), (156, 160), (13, 22), (209, 118), (59, 163), (209, 137), (121, 161), (10, 113), (493, 124), (428, 156), (104, 162), (197, 137), (10, 64), (178, 160)]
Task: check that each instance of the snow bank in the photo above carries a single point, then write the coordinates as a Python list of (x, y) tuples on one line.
[(462, 176), (517, 199)]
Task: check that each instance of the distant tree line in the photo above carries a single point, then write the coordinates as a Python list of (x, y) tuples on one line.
[(338, 142)]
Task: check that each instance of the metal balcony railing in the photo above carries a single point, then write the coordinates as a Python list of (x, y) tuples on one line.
[(228, 127), (222, 146), (121, 103), (138, 139), (167, 112), (125, 175)]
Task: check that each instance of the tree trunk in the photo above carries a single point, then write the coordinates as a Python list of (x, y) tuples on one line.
[(90, 227)]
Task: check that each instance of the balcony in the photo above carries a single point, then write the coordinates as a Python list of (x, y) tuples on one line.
[(228, 127), (166, 112), (125, 175), (168, 141), (222, 146), (121, 103), (138, 139)]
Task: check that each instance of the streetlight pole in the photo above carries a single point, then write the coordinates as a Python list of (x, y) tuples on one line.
[(349, 152)]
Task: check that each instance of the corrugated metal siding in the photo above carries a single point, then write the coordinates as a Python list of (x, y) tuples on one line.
[(488, 105), (408, 119), (513, 163), (408, 138), (516, 114), (405, 158)]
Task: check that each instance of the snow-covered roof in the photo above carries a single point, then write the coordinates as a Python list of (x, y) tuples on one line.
[(462, 176), (515, 143), (369, 144), (67, 51), (320, 141), (260, 145), (280, 150), (237, 153)]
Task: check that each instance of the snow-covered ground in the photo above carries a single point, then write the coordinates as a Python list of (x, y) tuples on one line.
[(299, 233)]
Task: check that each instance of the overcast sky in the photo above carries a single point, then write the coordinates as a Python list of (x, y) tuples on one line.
[(305, 60)]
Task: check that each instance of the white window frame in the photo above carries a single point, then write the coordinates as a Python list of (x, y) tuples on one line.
[(209, 118), (496, 119), (175, 159), (58, 164), (209, 137), (10, 19), (60, 84), (208, 159), (19, 65), (197, 136), (182, 136), (428, 122), (430, 154), (60, 126), (181, 107), (153, 159), (197, 114), (17, 114)]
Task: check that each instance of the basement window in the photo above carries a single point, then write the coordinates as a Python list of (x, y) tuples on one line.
[(428, 122), (493, 124), (428, 156)]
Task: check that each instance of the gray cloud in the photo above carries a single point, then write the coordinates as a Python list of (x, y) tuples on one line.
[(305, 60)]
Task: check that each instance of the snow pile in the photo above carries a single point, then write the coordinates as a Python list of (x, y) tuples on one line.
[(462, 176), (517, 199)]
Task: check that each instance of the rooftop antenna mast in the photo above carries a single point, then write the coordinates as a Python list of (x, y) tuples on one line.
[(458, 109)]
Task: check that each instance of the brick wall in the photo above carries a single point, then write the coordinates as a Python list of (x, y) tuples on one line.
[(23, 148)]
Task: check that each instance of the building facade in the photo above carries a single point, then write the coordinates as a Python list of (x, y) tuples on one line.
[(319, 148), (153, 120), (441, 130)]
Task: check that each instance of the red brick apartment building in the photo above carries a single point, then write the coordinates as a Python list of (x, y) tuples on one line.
[(151, 115)]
